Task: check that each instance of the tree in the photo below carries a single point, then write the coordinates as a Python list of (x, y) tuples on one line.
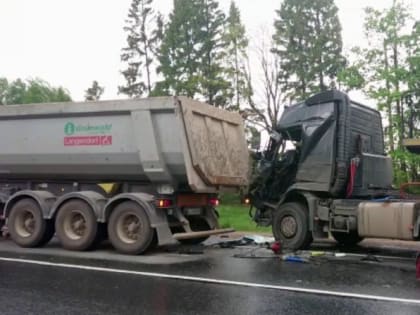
[(309, 45), (30, 91), (142, 26), (178, 54), (351, 77), (390, 69), (386, 63), (235, 53), (4, 84), (191, 59), (411, 99), (413, 59), (95, 92), (264, 109), (214, 87)]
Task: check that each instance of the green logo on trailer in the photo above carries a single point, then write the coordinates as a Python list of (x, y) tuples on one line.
[(69, 128)]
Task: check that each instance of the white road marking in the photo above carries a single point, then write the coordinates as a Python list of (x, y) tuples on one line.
[(214, 281)]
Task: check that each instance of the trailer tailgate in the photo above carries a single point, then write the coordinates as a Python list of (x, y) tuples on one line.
[(217, 144)]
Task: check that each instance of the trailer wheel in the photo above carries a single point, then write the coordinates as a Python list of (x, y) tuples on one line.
[(76, 225), (347, 239), (26, 224), (129, 229), (49, 232), (290, 226)]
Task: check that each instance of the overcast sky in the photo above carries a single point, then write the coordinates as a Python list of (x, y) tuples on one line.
[(73, 42)]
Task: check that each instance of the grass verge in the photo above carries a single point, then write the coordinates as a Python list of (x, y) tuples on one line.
[(236, 216)]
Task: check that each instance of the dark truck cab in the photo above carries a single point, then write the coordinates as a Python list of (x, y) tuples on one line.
[(325, 171)]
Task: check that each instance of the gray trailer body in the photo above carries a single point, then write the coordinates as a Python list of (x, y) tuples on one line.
[(174, 141), (166, 158)]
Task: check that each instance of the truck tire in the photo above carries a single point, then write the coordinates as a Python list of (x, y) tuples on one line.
[(291, 226), (347, 239), (48, 234), (26, 224), (129, 229), (76, 225)]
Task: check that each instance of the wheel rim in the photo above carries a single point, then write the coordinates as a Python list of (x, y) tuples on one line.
[(288, 226), (25, 223), (74, 225), (129, 227)]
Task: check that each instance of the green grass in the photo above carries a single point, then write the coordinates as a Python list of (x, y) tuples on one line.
[(236, 216)]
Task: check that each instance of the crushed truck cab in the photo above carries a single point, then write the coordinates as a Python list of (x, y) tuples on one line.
[(140, 172), (325, 172)]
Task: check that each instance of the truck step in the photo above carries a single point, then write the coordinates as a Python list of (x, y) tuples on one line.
[(190, 235)]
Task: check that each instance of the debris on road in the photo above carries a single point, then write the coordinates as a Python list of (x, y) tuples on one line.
[(370, 257), (224, 242), (258, 239), (276, 247), (317, 253), (294, 258), (258, 252), (251, 247)]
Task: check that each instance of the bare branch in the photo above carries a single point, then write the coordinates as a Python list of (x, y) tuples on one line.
[(265, 104), (259, 113)]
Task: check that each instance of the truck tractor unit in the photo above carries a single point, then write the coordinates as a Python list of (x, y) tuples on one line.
[(325, 173), (141, 172)]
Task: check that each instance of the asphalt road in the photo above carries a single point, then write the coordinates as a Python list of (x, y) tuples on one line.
[(53, 281)]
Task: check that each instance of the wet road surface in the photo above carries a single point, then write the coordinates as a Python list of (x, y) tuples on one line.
[(52, 282)]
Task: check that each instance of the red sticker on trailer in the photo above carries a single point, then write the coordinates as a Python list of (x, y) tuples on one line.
[(87, 140)]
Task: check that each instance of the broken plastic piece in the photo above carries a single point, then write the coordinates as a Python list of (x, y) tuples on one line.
[(276, 247), (294, 259), (258, 239)]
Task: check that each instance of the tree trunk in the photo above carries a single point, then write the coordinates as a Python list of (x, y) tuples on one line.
[(302, 82), (146, 56), (237, 76), (400, 111), (320, 65), (388, 102)]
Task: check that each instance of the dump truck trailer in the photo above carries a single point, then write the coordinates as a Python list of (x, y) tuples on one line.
[(141, 172), (325, 173)]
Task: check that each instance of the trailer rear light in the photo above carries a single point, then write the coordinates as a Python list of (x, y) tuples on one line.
[(214, 202), (163, 203)]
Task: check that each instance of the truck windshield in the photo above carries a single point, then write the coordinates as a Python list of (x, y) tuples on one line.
[(276, 141)]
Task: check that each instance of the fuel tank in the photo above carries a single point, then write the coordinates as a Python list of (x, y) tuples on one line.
[(394, 219)]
